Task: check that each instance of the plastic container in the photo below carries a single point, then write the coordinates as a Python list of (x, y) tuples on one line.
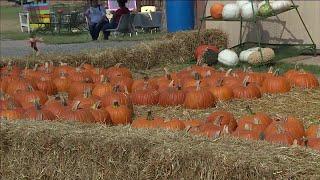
[(180, 15)]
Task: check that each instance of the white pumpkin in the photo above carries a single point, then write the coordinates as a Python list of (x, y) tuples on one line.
[(231, 11), (228, 57), (247, 12), (255, 57), (240, 3), (280, 5), (246, 53)]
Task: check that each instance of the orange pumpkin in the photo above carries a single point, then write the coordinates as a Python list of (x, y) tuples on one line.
[(119, 114), (216, 10)]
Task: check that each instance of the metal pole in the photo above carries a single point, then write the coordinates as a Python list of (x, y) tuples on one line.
[(258, 30), (201, 21)]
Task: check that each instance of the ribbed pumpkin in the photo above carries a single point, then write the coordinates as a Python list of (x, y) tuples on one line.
[(288, 124), (276, 84), (47, 86), (118, 71), (192, 123), (206, 130), (26, 98), (281, 137), (247, 131), (100, 115), (77, 88), (221, 119), (56, 105), (258, 121), (122, 82), (80, 76), (12, 112), (199, 98), (62, 82), (119, 114), (246, 91), (140, 84), (220, 92), (174, 124), (76, 114), (216, 10), (87, 100), (122, 98), (36, 113), (172, 96), (146, 96), (304, 80), (314, 143), (103, 87), (147, 122), (313, 131)]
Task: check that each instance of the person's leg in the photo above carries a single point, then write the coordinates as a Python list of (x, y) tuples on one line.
[(99, 27), (108, 26), (92, 31)]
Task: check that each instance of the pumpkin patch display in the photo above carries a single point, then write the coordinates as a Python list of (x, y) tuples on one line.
[(111, 96)]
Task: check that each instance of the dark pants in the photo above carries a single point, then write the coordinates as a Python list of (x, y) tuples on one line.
[(109, 25), (95, 29)]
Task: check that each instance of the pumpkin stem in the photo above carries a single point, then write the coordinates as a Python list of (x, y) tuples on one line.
[(219, 82), (35, 67), (248, 127), (318, 133), (75, 106), (197, 76), (249, 110), (63, 100), (171, 84), (179, 87), (30, 88), (96, 105), (145, 85), (46, 66), (87, 93), (118, 65), (221, 69), (218, 120), (116, 103), (256, 121), (270, 71), (198, 85), (245, 81), (296, 66), (249, 69), (116, 88), (146, 78), (126, 90), (149, 116), (228, 73), (276, 72), (36, 103), (208, 74)]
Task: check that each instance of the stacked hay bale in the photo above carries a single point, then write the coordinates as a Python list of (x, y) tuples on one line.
[(172, 48)]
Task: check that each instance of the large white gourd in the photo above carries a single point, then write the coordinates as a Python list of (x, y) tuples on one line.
[(231, 11), (240, 3), (280, 5), (228, 57), (246, 53), (247, 12)]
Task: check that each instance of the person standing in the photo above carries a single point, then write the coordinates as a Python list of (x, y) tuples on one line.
[(96, 16)]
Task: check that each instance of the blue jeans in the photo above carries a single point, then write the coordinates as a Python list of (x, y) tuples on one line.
[(95, 29)]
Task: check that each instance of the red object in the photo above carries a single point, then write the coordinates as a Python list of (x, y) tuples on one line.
[(200, 50), (120, 12)]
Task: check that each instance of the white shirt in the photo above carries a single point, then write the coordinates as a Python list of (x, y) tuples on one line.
[(95, 14)]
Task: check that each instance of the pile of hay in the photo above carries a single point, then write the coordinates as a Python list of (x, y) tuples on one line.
[(172, 48), (53, 150)]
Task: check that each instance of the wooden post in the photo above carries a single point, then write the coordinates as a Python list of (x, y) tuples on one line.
[(164, 16)]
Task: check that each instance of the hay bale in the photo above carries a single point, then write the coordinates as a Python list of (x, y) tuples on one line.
[(54, 150), (172, 48)]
